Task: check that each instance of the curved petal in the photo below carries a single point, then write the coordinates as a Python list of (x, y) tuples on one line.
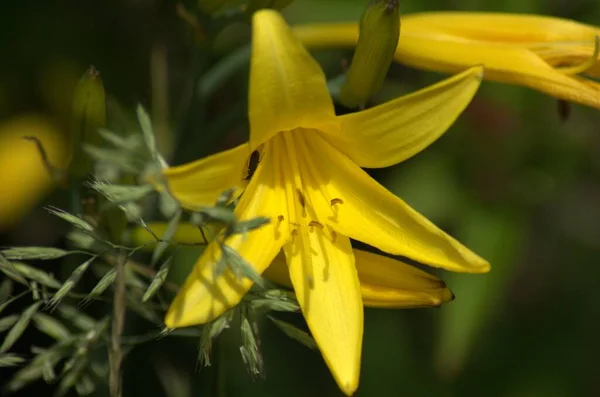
[(364, 210), (200, 183), (384, 282), (330, 301), (506, 64), (394, 131), (206, 294), (508, 54), (288, 89)]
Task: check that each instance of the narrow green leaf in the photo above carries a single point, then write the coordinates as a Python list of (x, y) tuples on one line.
[(9, 270), (158, 280), (71, 282), (273, 305), (39, 366), (35, 274), (168, 235), (240, 266), (104, 283), (10, 360), (246, 226), (17, 330), (76, 317), (128, 164), (7, 322), (51, 326), (222, 214), (147, 130), (249, 349), (128, 143), (85, 386), (121, 193), (19, 253), (295, 333), (5, 290), (72, 219)]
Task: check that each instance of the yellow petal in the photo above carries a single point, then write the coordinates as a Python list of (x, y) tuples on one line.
[(506, 64), (394, 131), (206, 294), (288, 89), (199, 183), (23, 179), (384, 282), (514, 49), (330, 302), (365, 211)]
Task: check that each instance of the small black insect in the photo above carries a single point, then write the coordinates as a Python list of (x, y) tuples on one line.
[(252, 165)]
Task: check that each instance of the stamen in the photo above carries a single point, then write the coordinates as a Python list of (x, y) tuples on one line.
[(302, 201), (312, 225), (294, 233), (333, 236), (336, 201), (280, 219), (589, 63)]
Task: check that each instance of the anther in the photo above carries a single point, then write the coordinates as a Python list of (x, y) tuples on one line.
[(336, 201), (294, 233), (312, 225), (333, 236), (280, 219)]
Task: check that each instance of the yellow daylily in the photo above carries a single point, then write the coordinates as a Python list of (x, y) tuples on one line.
[(310, 184), (23, 178), (551, 55)]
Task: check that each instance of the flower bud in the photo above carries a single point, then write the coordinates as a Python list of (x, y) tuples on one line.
[(89, 115), (377, 42)]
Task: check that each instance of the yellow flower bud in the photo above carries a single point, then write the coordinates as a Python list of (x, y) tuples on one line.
[(377, 42)]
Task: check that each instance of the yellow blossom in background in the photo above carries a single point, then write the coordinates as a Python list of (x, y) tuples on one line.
[(551, 55), (23, 177), (310, 183)]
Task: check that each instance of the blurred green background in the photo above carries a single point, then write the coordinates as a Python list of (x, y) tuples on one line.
[(510, 180)]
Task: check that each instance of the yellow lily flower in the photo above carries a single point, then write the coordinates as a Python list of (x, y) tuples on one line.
[(23, 179), (551, 55), (310, 184)]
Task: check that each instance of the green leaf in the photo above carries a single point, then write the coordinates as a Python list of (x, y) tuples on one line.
[(39, 366), (72, 219), (20, 253), (76, 317), (246, 226), (295, 333), (129, 164), (121, 193), (32, 274), (158, 280), (7, 322), (249, 349), (17, 330), (104, 283), (71, 282), (240, 266), (10, 360), (168, 235), (5, 289), (273, 305), (147, 130), (222, 214), (51, 326), (128, 143)]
